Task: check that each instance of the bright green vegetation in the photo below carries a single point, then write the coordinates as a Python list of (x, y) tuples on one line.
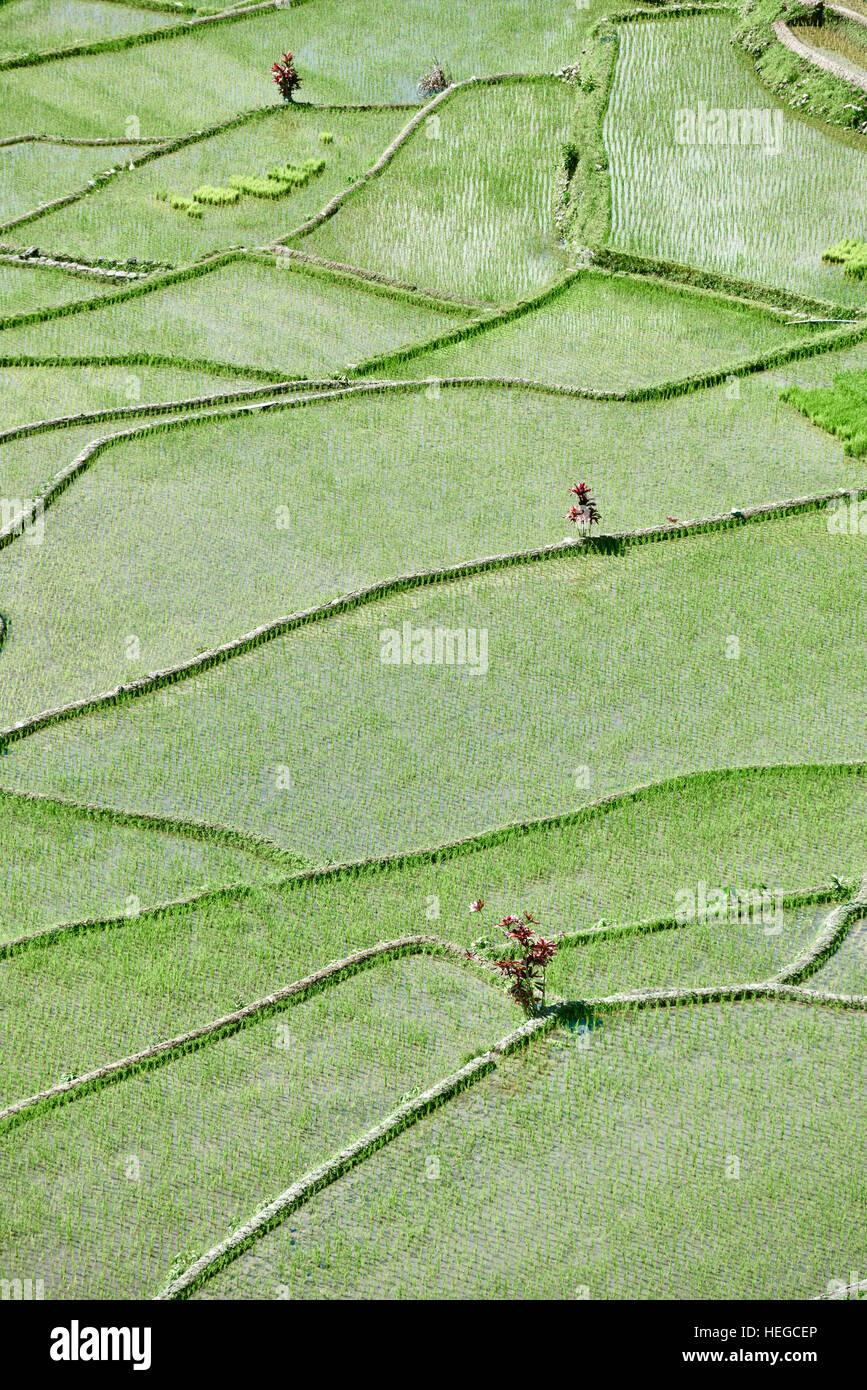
[(467, 205), (260, 188), (289, 739), (174, 1159), (788, 827), (389, 51), (61, 864), (633, 1129), (216, 197), (235, 522), (24, 288), (178, 203), (611, 334), (32, 26), (851, 254), (842, 409), (123, 218), (32, 174), (764, 211), (298, 174), (242, 311), (28, 465)]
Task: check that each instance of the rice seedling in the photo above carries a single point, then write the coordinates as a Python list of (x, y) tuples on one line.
[(255, 187), (666, 740), (297, 174), (159, 1155), (812, 91), (696, 654), (847, 249), (846, 971), (34, 392), (467, 205), (851, 254), (62, 864), (289, 173), (737, 945), (664, 1173), (24, 288), (29, 463), (840, 39), (763, 209), (216, 197), (179, 203), (841, 409)]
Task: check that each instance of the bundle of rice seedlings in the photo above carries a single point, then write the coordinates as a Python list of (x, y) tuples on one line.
[(260, 188), (844, 250), (289, 173), (851, 254), (182, 204), (218, 197), (297, 174)]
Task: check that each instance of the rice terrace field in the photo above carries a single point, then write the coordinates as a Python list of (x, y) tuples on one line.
[(433, 651)]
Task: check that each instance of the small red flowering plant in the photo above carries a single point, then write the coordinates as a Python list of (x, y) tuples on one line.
[(583, 512), (525, 969), (285, 74)]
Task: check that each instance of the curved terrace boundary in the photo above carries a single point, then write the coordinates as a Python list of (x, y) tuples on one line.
[(613, 543), (442, 852), (339, 387), (833, 933), (258, 845), (268, 1216)]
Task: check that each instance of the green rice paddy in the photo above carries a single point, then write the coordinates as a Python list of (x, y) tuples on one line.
[(249, 906)]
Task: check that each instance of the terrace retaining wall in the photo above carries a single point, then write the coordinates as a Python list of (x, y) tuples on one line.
[(818, 60)]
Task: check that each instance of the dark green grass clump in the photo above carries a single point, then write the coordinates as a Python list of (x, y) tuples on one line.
[(840, 409)]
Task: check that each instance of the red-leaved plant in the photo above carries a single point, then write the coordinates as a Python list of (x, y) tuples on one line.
[(584, 513), (285, 74), (525, 971)]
